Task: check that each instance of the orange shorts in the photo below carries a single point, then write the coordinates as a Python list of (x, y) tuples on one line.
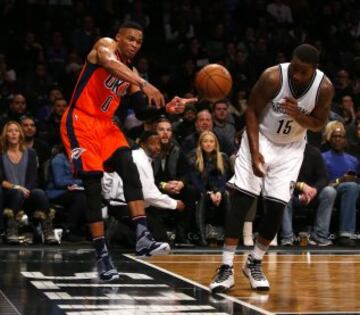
[(89, 141)]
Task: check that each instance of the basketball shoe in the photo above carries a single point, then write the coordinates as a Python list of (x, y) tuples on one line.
[(253, 270), (106, 269), (223, 280), (147, 246)]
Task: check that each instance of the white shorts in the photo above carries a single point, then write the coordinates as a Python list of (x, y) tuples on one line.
[(282, 164)]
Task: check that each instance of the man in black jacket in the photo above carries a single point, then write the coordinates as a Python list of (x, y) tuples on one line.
[(170, 171)]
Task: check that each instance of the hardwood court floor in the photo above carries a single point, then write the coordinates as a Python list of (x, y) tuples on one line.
[(302, 282), (44, 280)]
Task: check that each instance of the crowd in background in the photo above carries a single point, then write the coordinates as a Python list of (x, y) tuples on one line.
[(43, 45)]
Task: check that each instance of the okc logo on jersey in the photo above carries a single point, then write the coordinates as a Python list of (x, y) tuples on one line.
[(76, 153), (117, 86)]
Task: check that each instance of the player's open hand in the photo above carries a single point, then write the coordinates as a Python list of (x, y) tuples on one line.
[(177, 104), (290, 107), (154, 95)]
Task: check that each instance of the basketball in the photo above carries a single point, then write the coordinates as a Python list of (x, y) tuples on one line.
[(213, 82)]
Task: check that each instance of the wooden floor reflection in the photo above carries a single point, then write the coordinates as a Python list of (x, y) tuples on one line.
[(300, 283)]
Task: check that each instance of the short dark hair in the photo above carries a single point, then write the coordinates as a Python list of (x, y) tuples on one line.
[(222, 101), (146, 135), (162, 118), (25, 117), (307, 53), (131, 24), (190, 107)]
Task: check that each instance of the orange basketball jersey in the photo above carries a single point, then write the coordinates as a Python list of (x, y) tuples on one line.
[(88, 132), (97, 93)]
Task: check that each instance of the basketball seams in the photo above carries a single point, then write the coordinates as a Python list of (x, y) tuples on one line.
[(213, 82), (210, 79)]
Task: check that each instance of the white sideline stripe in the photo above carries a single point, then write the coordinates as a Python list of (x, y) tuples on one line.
[(152, 308), (177, 296), (50, 285), (80, 276), (9, 302), (253, 307), (113, 285)]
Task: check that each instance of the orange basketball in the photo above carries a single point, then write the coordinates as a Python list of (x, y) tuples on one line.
[(213, 82)]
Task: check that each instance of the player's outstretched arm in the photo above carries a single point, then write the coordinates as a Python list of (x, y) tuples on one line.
[(103, 54), (144, 112)]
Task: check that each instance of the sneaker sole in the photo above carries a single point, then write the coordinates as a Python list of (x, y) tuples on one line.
[(220, 289), (255, 287), (114, 277), (162, 250), (313, 243)]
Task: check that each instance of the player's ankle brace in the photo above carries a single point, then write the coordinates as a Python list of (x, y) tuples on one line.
[(272, 218)]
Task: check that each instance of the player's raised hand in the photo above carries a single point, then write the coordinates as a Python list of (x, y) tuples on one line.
[(177, 104), (153, 94), (290, 107)]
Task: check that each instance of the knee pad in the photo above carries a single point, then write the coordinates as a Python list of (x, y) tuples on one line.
[(92, 185), (240, 205), (272, 218), (122, 163)]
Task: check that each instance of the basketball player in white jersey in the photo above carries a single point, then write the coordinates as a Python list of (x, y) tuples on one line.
[(287, 100)]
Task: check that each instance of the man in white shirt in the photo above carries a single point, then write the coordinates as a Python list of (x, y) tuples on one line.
[(112, 184)]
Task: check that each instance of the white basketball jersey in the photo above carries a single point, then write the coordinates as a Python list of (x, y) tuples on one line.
[(274, 123)]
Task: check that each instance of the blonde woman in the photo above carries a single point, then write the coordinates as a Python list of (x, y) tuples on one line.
[(18, 171), (208, 177)]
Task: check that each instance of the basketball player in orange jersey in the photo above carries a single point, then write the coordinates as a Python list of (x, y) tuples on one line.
[(94, 143), (286, 101)]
